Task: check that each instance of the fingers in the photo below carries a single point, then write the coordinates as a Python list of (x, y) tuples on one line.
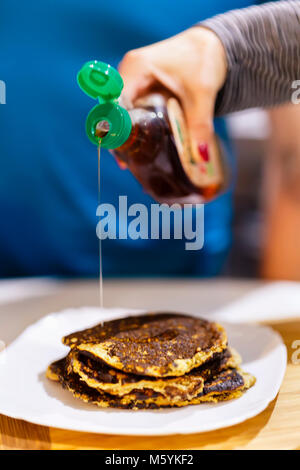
[(188, 66), (199, 112), (140, 72)]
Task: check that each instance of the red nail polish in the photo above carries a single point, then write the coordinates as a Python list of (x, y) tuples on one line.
[(203, 151)]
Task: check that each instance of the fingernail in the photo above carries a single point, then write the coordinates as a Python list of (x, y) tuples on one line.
[(203, 151)]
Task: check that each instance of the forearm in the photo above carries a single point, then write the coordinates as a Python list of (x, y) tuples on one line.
[(262, 45)]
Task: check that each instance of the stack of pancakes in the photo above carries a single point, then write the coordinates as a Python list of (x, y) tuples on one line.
[(151, 361)]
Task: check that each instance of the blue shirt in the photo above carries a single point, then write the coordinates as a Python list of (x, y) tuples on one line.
[(48, 168)]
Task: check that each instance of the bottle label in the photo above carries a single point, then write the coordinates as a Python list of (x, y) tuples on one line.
[(202, 172)]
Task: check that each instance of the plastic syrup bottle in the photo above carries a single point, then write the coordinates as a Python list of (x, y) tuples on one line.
[(151, 139)]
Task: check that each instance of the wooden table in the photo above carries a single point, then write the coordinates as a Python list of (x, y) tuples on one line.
[(23, 302)]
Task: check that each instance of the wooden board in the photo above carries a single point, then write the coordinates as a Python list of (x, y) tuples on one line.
[(278, 427)]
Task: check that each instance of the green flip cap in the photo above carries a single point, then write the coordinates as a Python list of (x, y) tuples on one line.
[(103, 82)]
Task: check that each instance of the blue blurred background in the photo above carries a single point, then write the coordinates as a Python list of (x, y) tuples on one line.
[(48, 168)]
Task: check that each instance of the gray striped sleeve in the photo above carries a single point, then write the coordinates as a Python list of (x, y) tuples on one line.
[(262, 45)]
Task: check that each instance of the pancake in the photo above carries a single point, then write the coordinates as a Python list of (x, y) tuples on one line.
[(157, 345), (97, 374), (228, 359), (226, 385), (137, 399)]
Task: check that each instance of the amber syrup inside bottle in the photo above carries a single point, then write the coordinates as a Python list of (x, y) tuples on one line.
[(160, 155)]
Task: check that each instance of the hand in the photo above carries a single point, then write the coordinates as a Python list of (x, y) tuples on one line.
[(192, 65)]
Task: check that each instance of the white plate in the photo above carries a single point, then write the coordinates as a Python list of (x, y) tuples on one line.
[(26, 394)]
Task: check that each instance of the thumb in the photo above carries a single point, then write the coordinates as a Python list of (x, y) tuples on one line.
[(199, 113)]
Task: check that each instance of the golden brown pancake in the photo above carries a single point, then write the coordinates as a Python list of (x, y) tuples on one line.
[(225, 385), (97, 374), (137, 399), (158, 345)]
